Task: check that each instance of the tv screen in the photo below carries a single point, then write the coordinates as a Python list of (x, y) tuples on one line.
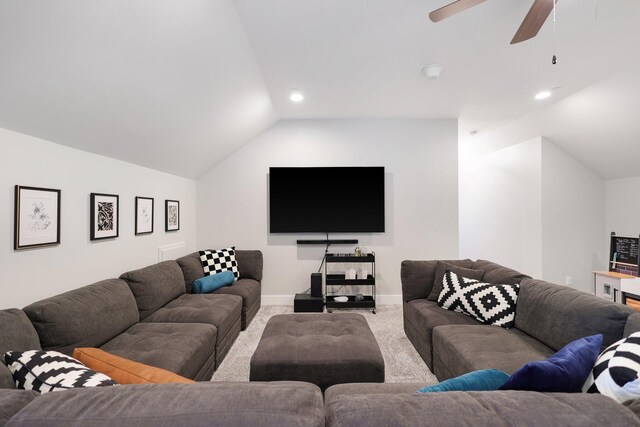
[(326, 199)]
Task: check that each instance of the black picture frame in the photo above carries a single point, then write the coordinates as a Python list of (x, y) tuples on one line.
[(105, 216), (142, 204), (36, 217), (171, 215)]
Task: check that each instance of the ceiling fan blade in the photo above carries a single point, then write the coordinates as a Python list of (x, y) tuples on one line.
[(452, 9), (534, 20)]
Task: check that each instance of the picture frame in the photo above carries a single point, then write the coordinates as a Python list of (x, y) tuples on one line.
[(36, 217), (171, 215), (105, 216), (144, 215)]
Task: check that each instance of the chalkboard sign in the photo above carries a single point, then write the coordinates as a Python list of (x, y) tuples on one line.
[(624, 254)]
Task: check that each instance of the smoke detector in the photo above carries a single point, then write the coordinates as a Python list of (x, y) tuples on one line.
[(432, 72)]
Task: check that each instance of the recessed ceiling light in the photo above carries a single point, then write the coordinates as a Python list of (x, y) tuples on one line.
[(542, 95), (296, 96)]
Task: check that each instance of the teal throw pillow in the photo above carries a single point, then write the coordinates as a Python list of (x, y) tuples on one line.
[(208, 284), (563, 372), (484, 380)]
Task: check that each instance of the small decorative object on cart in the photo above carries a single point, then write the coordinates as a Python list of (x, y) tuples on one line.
[(357, 250), (350, 274), (362, 273)]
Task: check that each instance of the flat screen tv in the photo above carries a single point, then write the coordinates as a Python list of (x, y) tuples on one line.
[(326, 199)]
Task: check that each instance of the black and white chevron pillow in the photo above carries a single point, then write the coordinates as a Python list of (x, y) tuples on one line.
[(218, 260), (488, 303), (46, 371), (616, 373)]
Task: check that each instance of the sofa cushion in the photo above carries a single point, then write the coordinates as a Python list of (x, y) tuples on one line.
[(154, 286), (249, 266), (478, 409), (221, 311), (285, 404), (208, 284), (182, 348), (191, 267), (425, 315), (12, 401), (563, 372), (125, 371), (543, 309), (248, 289), (483, 380), (417, 277), (616, 373), (337, 390), (250, 263), (632, 325), (443, 267), (496, 273), (459, 349), (491, 304), (46, 371), (84, 317), (16, 334), (216, 261)]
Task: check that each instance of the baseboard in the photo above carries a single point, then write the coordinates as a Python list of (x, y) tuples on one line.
[(288, 299)]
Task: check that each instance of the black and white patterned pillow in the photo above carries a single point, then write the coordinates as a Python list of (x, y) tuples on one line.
[(490, 304), (46, 371), (218, 260), (616, 373)]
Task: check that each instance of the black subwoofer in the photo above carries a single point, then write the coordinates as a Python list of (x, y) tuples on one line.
[(316, 284)]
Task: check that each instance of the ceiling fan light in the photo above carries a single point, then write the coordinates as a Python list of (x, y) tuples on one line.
[(542, 95)]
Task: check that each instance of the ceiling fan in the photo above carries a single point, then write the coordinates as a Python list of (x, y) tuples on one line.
[(529, 28)]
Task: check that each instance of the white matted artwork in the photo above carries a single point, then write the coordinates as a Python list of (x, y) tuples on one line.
[(37, 217), (105, 216), (171, 215), (144, 215)]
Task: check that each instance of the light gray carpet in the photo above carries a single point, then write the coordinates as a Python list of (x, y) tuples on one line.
[(401, 360)]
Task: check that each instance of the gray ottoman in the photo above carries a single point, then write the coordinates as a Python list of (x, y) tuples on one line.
[(323, 349)]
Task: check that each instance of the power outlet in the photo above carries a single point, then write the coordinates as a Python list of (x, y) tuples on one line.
[(568, 280)]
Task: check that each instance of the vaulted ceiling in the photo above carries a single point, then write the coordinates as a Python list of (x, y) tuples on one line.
[(179, 85)]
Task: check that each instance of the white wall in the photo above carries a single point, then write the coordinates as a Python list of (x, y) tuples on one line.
[(573, 220), (500, 207), (420, 157), (29, 275), (533, 207), (622, 208)]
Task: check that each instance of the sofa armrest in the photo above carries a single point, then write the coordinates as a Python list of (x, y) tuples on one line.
[(417, 278), (249, 264)]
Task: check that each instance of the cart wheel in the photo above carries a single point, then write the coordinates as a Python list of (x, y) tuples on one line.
[(329, 310), (373, 311)]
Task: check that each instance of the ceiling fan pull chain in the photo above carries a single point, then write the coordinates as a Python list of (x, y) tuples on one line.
[(554, 59)]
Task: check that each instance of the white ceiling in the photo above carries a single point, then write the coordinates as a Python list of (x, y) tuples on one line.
[(172, 85), (179, 85), (597, 125)]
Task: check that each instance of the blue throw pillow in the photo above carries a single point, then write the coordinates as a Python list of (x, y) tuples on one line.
[(485, 380), (564, 372), (207, 284)]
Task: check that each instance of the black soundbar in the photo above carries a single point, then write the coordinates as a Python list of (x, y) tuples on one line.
[(328, 242)]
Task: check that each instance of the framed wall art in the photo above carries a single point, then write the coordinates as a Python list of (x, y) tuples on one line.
[(105, 216), (37, 217), (171, 215), (144, 215)]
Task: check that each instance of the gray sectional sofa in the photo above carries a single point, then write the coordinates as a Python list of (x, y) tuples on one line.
[(548, 317), (127, 315)]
